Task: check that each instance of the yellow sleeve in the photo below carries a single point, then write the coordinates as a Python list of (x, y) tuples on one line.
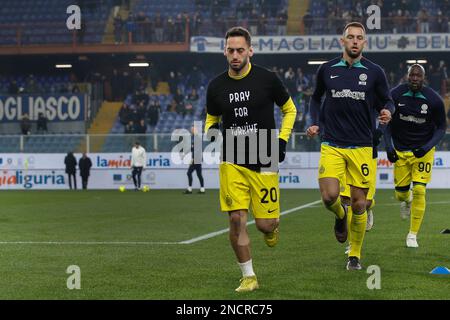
[(210, 121), (289, 113)]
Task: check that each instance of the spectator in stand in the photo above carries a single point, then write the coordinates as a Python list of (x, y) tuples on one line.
[(25, 124), (159, 28), (13, 88), (253, 22), (196, 23), (153, 112), (308, 22), (301, 81), (116, 86), (281, 23), (148, 30), (180, 28), (444, 77), (140, 111), (124, 114), (422, 21), (170, 30), (31, 85), (262, 24), (140, 30), (41, 125), (118, 29), (141, 129), (173, 81), (193, 96), (131, 27), (130, 128), (179, 100), (441, 23), (289, 81)]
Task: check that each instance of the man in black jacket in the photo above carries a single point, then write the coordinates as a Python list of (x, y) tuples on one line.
[(71, 163), (85, 165)]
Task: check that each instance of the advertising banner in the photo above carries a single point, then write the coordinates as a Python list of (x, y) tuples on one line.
[(168, 171), (55, 107), (433, 42)]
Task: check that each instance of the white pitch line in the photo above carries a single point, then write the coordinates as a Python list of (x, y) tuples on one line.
[(90, 242), (217, 233), (190, 241), (397, 203)]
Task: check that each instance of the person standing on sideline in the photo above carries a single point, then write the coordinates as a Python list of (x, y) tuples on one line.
[(194, 165), (138, 161), (243, 99), (84, 164), (416, 128), (71, 168), (351, 84)]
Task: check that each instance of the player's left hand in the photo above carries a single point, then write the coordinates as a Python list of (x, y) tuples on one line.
[(281, 149), (419, 152), (385, 116), (377, 137)]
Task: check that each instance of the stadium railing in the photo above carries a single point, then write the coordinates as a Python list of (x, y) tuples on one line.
[(122, 143)]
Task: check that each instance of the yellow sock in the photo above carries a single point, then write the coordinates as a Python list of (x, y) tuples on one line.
[(337, 208), (349, 223), (358, 230), (417, 208)]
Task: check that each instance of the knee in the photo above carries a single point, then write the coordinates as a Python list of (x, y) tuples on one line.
[(359, 206), (419, 190), (266, 225), (235, 223), (329, 199)]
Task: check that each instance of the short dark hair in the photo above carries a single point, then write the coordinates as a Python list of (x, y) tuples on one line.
[(354, 24), (239, 32), (137, 143)]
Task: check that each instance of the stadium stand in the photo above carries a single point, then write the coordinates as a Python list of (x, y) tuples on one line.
[(44, 21), (165, 103)]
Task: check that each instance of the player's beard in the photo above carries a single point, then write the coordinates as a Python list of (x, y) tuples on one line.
[(240, 66), (352, 54), (415, 87)]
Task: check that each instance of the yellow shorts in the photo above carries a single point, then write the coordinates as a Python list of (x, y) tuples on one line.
[(345, 188), (240, 187), (409, 168), (355, 164)]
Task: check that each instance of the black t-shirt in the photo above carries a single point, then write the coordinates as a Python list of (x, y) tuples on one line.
[(246, 106)]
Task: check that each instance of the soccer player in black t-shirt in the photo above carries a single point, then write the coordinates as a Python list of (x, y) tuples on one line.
[(243, 99)]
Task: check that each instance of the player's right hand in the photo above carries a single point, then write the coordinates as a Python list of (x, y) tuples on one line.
[(392, 156), (312, 131)]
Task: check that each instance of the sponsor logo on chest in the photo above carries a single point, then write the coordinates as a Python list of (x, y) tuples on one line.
[(362, 79)]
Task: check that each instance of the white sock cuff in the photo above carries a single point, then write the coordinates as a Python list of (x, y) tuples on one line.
[(247, 268)]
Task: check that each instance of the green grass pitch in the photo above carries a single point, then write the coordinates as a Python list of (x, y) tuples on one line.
[(127, 246)]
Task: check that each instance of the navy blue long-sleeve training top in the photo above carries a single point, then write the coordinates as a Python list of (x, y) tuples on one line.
[(345, 117), (419, 120)]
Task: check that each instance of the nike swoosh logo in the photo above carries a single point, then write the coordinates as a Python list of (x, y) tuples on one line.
[(401, 104), (332, 77), (270, 211)]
